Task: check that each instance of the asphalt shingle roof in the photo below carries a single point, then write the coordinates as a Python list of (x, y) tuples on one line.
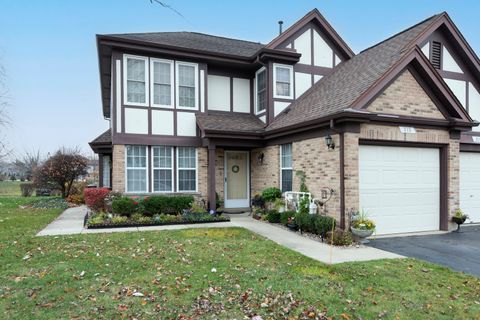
[(241, 123), (337, 91), (196, 41), (104, 138)]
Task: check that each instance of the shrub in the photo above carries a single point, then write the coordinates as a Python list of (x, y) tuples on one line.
[(166, 204), (273, 216), (340, 238), (27, 189), (271, 194), (119, 220), (95, 198), (77, 188), (284, 216), (124, 206), (76, 199), (322, 225), (258, 201)]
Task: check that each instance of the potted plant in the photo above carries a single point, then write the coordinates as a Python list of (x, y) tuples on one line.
[(459, 218), (291, 224), (362, 227)]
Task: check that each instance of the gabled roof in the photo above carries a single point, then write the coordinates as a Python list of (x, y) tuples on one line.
[(316, 17), (237, 123), (352, 83), (104, 138), (195, 41)]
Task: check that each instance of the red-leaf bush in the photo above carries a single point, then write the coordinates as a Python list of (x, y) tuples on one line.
[(95, 198)]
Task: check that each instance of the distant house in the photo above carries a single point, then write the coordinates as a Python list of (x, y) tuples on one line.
[(391, 130)]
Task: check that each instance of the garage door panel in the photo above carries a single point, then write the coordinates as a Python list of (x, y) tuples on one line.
[(470, 185), (400, 188)]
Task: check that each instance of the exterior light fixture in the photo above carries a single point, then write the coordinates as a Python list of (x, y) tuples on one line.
[(260, 158), (329, 142)]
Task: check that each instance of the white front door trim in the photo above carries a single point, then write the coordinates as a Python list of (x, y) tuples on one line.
[(236, 203)]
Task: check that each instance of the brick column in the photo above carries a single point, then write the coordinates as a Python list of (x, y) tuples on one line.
[(211, 177)]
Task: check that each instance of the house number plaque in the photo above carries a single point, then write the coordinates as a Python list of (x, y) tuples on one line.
[(407, 130)]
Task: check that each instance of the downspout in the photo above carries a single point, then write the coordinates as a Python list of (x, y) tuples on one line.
[(341, 135)]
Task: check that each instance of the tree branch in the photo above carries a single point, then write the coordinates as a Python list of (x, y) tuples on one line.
[(165, 5)]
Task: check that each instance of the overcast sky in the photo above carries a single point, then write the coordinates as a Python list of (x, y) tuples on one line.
[(49, 52)]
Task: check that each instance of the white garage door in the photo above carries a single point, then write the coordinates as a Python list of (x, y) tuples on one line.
[(400, 188), (470, 185)]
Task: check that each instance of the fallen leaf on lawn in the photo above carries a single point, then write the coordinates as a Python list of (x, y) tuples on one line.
[(122, 307), (26, 257), (345, 316), (137, 294)]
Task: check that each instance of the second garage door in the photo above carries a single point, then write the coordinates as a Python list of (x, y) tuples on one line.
[(470, 185), (400, 188)]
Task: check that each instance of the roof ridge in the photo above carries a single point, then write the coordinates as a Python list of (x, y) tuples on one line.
[(401, 32)]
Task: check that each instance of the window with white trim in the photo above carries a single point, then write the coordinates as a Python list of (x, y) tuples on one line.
[(187, 83), (136, 169), (106, 171), (286, 171), (186, 169), (135, 80), (162, 82), (283, 77), (261, 90), (162, 169)]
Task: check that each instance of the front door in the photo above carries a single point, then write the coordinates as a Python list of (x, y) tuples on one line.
[(236, 179)]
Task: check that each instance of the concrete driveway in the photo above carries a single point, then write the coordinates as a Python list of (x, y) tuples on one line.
[(459, 251)]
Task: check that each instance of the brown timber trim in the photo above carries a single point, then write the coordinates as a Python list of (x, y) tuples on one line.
[(212, 192), (140, 139), (342, 180), (469, 147), (443, 151), (100, 170)]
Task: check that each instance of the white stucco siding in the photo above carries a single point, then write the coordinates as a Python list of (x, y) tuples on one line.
[(241, 95), (459, 88), (186, 124), (279, 106), (303, 45), (162, 122), (322, 53), (474, 104), (218, 93), (303, 81), (426, 50), (136, 121), (449, 63)]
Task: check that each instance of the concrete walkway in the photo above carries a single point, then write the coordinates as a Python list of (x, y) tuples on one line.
[(71, 222)]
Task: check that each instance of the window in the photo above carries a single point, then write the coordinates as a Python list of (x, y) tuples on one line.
[(186, 169), (187, 81), (162, 169), (135, 80), (286, 172), (162, 82), (283, 76), (136, 168), (261, 90), (106, 171)]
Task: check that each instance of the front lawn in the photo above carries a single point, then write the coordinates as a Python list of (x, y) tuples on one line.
[(206, 273), (10, 188)]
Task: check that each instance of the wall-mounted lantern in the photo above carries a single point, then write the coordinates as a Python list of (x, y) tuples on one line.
[(260, 158), (329, 142)]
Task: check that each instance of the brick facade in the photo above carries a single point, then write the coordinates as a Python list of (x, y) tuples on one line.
[(266, 174), (405, 97), (118, 168)]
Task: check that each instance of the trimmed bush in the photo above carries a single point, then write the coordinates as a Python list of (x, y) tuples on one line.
[(340, 238), (284, 216), (27, 189), (76, 199), (166, 204), (95, 198), (271, 194), (323, 225), (273, 216), (124, 206)]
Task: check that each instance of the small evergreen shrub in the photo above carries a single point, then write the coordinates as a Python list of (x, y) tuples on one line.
[(119, 220), (124, 206), (273, 216), (340, 238), (304, 221), (322, 225), (166, 204), (284, 216)]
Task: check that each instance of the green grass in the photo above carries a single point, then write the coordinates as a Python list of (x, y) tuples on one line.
[(173, 269), (10, 188)]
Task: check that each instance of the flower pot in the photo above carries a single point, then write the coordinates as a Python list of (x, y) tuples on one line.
[(362, 234), (292, 226), (459, 221)]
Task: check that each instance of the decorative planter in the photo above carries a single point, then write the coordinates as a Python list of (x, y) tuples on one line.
[(362, 234), (459, 221), (292, 226)]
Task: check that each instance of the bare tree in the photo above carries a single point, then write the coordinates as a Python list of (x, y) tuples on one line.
[(166, 5), (27, 165), (4, 120)]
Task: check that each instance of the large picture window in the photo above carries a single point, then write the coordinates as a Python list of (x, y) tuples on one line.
[(135, 80), (261, 90), (286, 170), (187, 82), (162, 82), (283, 75), (162, 169), (186, 169), (136, 169)]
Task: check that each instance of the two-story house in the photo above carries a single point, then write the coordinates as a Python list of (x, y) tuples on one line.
[(389, 129)]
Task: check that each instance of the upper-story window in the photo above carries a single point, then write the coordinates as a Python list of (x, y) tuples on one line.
[(135, 80), (261, 90), (187, 83), (283, 77), (162, 82)]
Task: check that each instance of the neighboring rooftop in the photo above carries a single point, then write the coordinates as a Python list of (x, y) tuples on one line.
[(196, 41)]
